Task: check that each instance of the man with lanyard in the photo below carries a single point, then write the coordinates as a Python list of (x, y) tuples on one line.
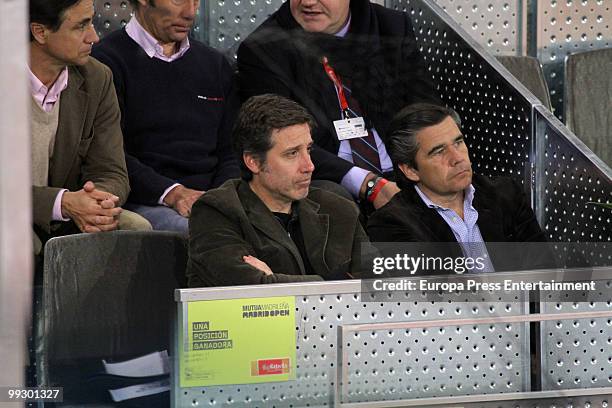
[(352, 64), (441, 200), (178, 103)]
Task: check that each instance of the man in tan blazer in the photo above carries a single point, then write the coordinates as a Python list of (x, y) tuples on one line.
[(78, 165)]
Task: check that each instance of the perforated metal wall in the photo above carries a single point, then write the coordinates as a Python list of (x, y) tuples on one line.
[(496, 115), (567, 179), (317, 321), (565, 27), (229, 21), (566, 402), (576, 353), (111, 15), (498, 26), (435, 362)]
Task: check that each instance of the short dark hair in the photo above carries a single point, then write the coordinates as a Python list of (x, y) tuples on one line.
[(258, 117), (135, 3), (49, 13), (400, 140)]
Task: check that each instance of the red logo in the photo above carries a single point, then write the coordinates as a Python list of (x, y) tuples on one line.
[(270, 366)]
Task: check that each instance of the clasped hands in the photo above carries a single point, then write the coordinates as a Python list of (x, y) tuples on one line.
[(92, 210)]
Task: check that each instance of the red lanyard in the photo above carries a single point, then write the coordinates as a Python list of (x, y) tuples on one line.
[(338, 84)]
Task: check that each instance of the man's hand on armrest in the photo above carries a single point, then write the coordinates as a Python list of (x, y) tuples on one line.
[(181, 199), (91, 209)]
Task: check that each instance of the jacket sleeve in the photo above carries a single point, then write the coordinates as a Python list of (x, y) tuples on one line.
[(385, 226), (521, 231), (363, 254), (43, 199), (259, 72), (524, 226), (104, 163), (216, 250)]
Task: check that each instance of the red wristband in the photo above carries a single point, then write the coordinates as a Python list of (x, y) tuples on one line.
[(379, 186)]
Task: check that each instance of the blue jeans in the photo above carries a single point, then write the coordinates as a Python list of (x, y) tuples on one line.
[(161, 218)]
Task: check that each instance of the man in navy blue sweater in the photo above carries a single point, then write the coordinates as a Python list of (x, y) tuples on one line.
[(178, 103)]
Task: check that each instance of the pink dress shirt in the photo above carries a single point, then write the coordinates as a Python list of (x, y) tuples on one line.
[(46, 99)]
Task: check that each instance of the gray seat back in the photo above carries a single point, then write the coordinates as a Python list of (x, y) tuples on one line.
[(529, 72), (105, 296), (588, 99)]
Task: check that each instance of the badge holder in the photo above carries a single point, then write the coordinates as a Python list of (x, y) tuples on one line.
[(347, 128)]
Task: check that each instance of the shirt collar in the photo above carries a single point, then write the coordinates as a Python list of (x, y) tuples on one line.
[(467, 198), (47, 96), (149, 44), (344, 29)]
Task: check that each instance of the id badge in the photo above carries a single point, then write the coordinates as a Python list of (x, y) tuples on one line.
[(350, 128)]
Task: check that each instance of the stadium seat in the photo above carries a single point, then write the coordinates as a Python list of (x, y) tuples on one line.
[(104, 296), (529, 72), (588, 96)]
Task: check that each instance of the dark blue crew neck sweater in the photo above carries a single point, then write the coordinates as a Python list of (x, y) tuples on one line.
[(176, 116)]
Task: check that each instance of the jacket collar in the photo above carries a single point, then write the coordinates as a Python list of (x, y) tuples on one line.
[(315, 229), (429, 217), (488, 219), (314, 226), (72, 114)]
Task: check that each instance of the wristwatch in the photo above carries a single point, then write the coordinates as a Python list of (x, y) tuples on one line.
[(370, 186)]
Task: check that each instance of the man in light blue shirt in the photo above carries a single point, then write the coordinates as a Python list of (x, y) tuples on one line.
[(441, 199)]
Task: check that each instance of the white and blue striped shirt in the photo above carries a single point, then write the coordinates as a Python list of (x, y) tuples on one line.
[(466, 230)]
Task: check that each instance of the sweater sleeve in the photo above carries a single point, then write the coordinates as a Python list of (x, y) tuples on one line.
[(147, 184), (228, 164)]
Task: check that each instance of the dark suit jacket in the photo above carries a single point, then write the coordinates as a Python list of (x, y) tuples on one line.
[(88, 142), (231, 221), (378, 58), (504, 215)]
